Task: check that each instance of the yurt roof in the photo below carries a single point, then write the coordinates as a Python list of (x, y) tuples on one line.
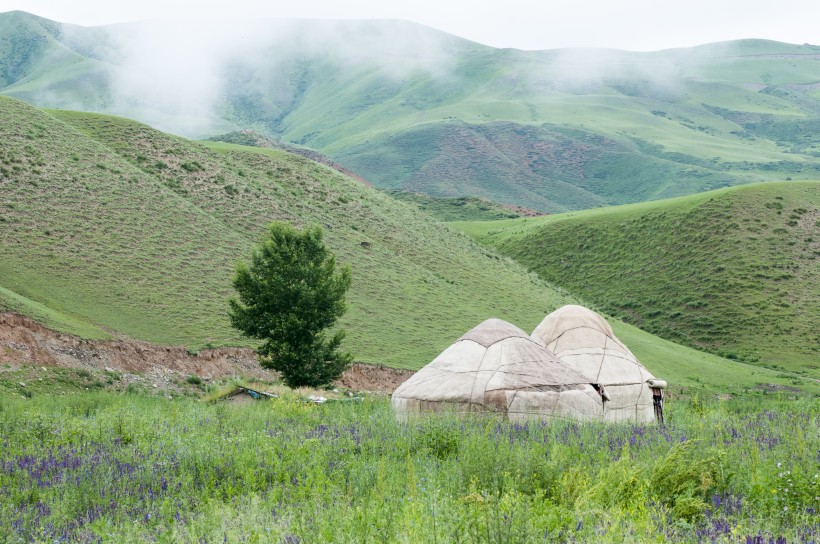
[(493, 356), (583, 339)]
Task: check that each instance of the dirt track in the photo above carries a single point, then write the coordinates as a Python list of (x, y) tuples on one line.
[(26, 342)]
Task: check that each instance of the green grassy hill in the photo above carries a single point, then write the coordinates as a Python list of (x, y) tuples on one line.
[(111, 228), (410, 108), (733, 271), (63, 65)]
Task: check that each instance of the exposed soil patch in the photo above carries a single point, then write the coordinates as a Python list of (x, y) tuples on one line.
[(26, 342), (524, 212), (361, 377), (774, 388)]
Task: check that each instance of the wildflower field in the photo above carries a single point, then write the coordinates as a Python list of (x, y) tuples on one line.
[(105, 467)]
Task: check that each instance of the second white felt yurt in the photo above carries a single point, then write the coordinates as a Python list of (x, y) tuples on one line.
[(585, 341)]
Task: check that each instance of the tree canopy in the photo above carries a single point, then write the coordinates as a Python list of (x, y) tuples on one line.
[(288, 295)]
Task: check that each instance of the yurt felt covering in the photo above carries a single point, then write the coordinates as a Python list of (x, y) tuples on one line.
[(497, 367)]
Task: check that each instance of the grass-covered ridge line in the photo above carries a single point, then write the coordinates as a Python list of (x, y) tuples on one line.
[(462, 208), (733, 271), (130, 468), (17, 303), (411, 108)]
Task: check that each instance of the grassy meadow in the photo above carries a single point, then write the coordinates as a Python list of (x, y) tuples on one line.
[(112, 229), (457, 209), (105, 467)]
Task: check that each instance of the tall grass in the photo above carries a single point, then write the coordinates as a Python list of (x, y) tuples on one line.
[(104, 467)]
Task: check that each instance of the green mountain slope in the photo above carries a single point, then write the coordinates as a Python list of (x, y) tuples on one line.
[(111, 224), (410, 108), (733, 271), (111, 228), (46, 61)]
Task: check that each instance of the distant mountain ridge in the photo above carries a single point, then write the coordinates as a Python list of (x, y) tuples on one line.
[(254, 139), (410, 108)]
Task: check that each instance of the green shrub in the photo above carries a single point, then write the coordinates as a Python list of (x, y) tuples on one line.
[(683, 479), (440, 441)]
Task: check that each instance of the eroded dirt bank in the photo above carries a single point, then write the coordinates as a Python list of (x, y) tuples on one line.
[(26, 342)]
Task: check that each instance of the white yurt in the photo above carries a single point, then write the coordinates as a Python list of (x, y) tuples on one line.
[(585, 341), (497, 367)]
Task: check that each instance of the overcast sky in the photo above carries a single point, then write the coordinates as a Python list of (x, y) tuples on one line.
[(638, 25)]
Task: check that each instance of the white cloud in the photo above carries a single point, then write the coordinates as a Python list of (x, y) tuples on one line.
[(525, 24), (172, 74)]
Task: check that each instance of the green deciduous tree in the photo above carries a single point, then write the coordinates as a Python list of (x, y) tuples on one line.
[(288, 296)]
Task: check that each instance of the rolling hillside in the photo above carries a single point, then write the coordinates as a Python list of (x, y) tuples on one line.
[(414, 109), (110, 228), (733, 271)]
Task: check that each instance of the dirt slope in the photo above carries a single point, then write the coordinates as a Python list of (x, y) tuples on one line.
[(26, 342)]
